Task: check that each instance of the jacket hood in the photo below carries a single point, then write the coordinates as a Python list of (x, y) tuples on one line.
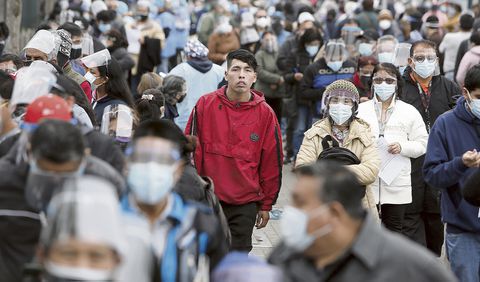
[(258, 98), (202, 66), (463, 113), (475, 50)]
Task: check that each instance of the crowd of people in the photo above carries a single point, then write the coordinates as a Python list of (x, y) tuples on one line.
[(145, 140)]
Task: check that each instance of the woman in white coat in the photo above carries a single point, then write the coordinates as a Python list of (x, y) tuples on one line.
[(401, 134)]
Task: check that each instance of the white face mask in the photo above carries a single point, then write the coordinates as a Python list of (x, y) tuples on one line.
[(425, 69), (386, 57), (151, 182), (90, 77), (293, 228), (384, 90), (384, 24), (78, 273), (340, 113), (365, 49), (474, 106), (335, 65), (263, 22), (312, 50)]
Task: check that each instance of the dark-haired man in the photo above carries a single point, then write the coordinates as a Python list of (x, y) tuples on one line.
[(239, 146), (328, 236), (431, 95), (10, 63), (452, 156)]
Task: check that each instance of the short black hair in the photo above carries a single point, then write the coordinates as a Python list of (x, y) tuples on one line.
[(339, 184), (6, 85), (165, 129), (57, 141), (17, 61), (424, 43), (72, 28), (466, 22), (244, 56), (472, 78), (106, 16), (368, 5), (391, 70), (308, 36), (475, 37)]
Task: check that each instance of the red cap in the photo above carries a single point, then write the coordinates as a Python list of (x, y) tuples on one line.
[(47, 107)]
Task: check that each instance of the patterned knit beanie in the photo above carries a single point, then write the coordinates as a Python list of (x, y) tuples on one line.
[(342, 88)]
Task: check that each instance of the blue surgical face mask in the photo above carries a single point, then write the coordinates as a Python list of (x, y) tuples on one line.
[(312, 50), (340, 113), (402, 69), (335, 65), (384, 90), (104, 28), (474, 105), (386, 57), (365, 49), (151, 182), (425, 69)]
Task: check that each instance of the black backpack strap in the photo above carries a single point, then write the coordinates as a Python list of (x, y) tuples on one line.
[(328, 138)]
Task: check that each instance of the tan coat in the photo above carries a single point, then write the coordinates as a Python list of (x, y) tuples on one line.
[(359, 141), (219, 45)]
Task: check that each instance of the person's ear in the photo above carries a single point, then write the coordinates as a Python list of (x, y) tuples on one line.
[(410, 62), (226, 76), (255, 76), (465, 94)]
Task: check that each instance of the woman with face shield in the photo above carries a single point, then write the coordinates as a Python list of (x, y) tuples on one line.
[(108, 83), (270, 81), (350, 132), (84, 238), (401, 134)]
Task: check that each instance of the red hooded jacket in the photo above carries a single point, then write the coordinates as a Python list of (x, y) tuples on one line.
[(239, 146)]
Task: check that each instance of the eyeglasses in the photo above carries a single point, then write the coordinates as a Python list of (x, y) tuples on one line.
[(380, 80), (422, 58)]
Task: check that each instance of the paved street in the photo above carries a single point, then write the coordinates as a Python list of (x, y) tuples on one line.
[(265, 239)]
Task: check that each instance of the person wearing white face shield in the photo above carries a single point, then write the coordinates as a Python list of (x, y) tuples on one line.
[(432, 95), (386, 49), (164, 229), (335, 239), (399, 130)]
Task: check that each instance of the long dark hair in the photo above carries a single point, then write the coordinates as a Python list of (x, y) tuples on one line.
[(116, 86), (119, 41), (309, 35)]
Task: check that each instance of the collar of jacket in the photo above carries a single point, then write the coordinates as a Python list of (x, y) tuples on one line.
[(258, 98), (359, 129), (177, 213)]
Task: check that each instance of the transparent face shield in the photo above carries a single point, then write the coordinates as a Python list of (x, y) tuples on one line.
[(147, 149), (386, 44), (336, 51), (402, 53), (42, 184), (85, 210), (31, 83), (98, 59), (43, 41), (117, 122), (349, 34)]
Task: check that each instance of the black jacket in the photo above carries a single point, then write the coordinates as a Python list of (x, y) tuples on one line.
[(149, 56), (20, 224), (298, 61), (443, 97)]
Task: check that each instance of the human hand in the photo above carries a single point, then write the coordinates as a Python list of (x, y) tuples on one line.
[(471, 158), (262, 219), (298, 76), (394, 148)]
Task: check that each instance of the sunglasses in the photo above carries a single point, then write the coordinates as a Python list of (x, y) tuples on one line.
[(380, 80)]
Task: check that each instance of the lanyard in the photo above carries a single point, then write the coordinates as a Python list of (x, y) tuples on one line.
[(426, 103)]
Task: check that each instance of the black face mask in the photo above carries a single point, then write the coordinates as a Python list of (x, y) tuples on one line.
[(75, 53), (141, 17), (27, 63), (181, 99), (365, 80), (2, 46)]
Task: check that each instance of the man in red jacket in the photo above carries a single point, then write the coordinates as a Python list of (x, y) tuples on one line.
[(240, 147)]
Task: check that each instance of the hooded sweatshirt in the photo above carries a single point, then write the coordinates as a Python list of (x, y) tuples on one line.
[(454, 133), (239, 146)]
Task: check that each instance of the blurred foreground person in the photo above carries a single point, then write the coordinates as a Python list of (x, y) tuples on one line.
[(172, 239), (335, 239), (84, 237)]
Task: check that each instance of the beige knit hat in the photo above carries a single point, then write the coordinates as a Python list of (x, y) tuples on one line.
[(342, 88)]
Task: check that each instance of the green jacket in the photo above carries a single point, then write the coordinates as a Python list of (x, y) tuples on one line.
[(269, 75)]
